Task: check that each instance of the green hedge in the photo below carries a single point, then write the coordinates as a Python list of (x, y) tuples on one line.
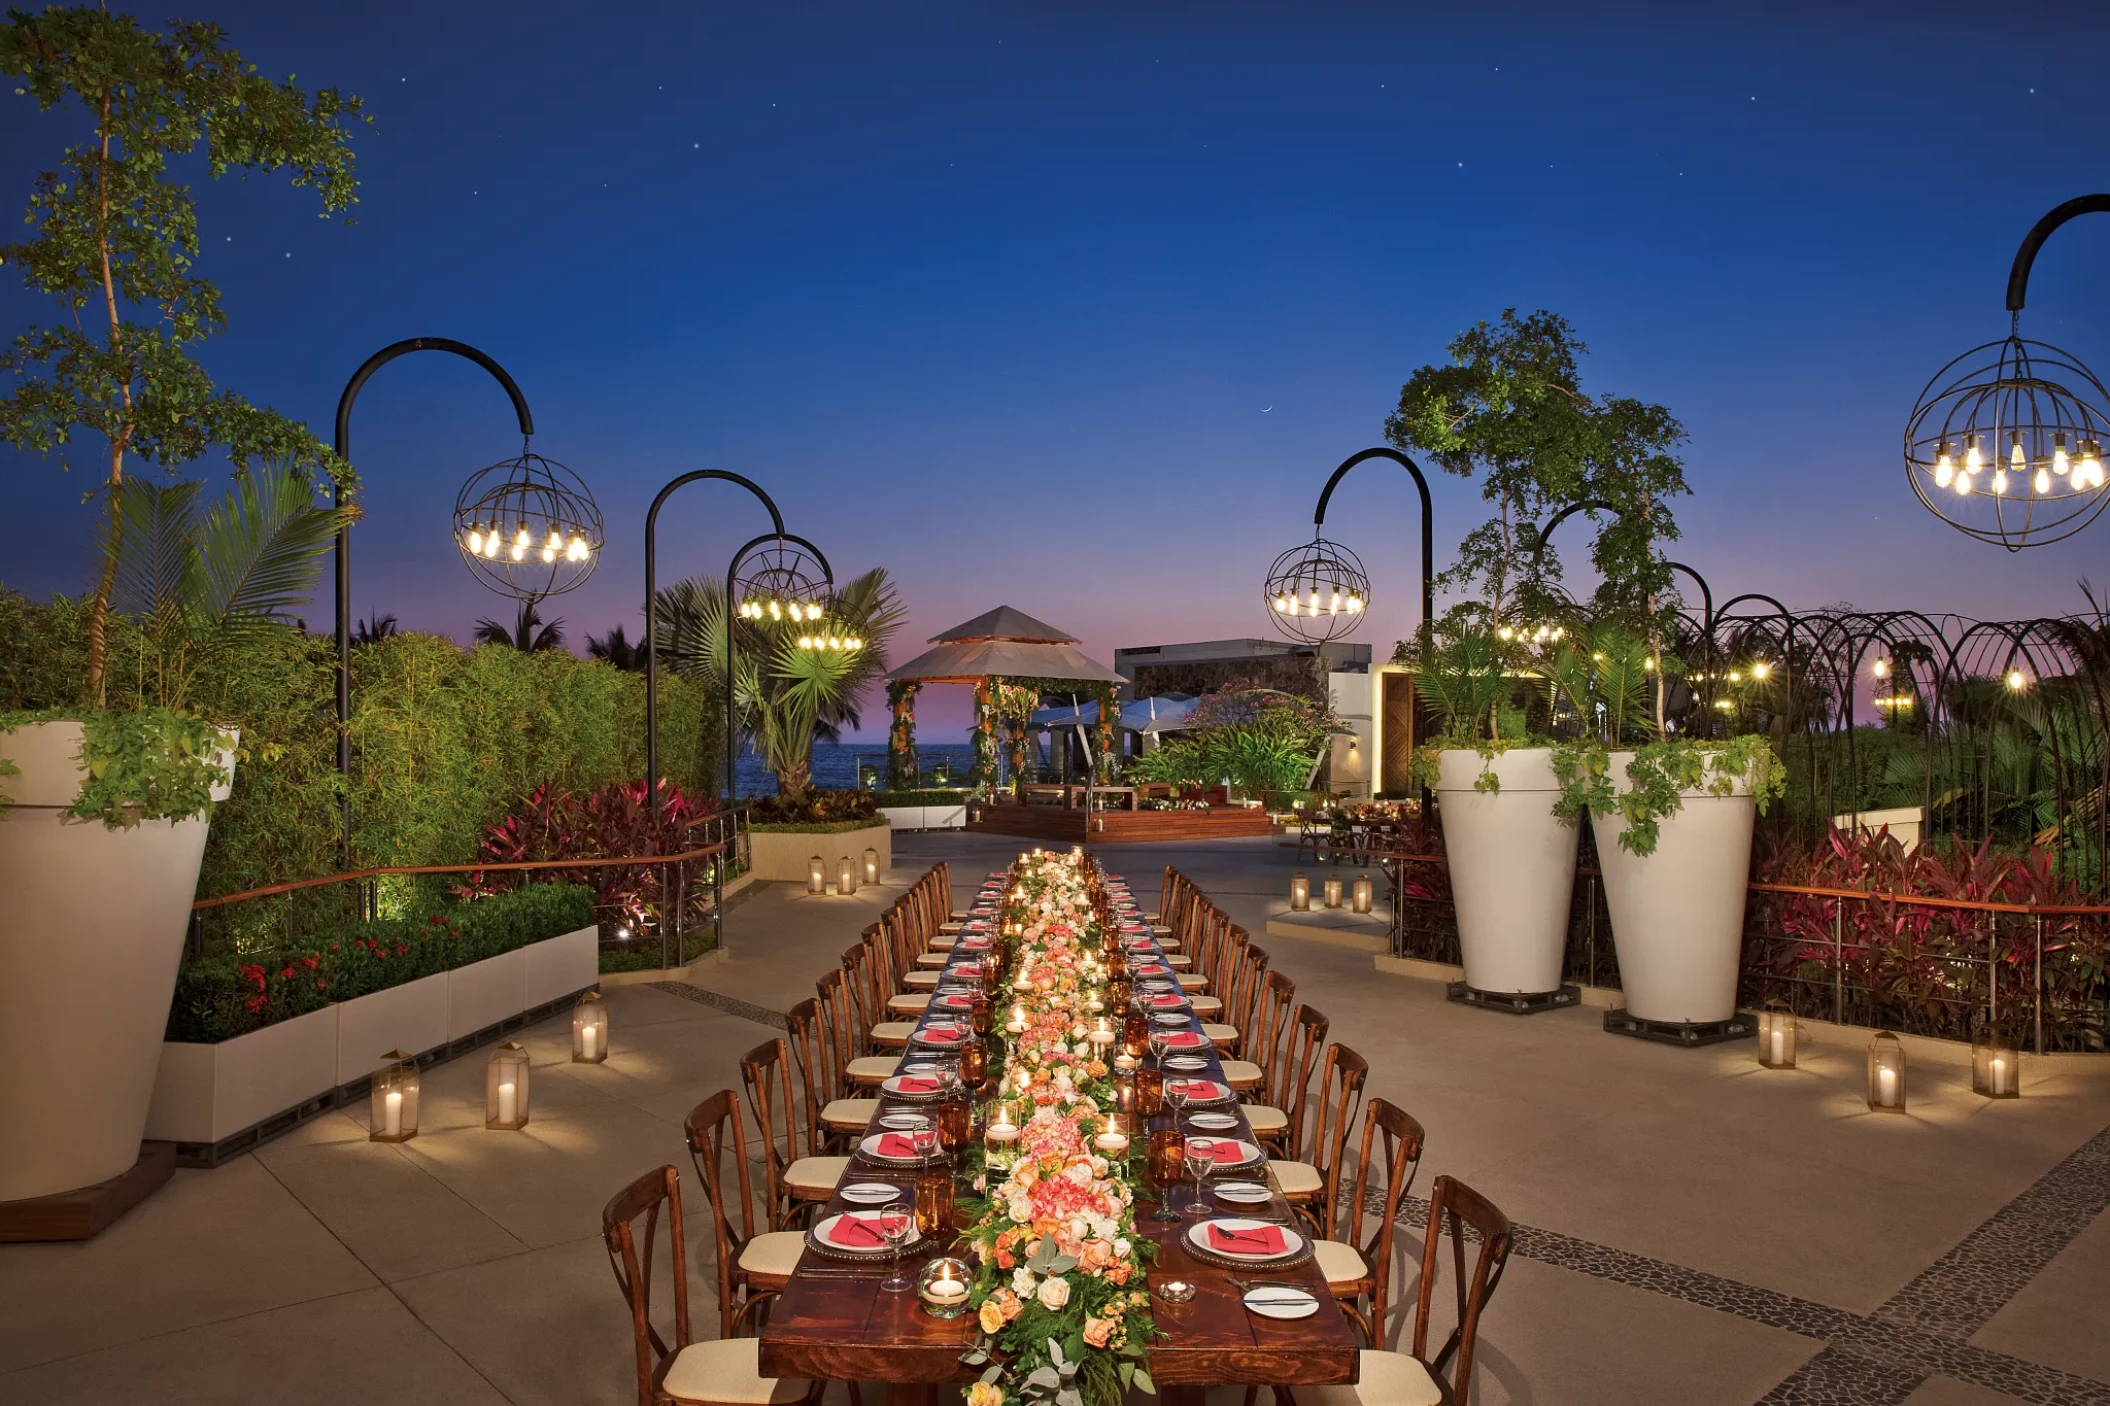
[(224, 995), (443, 740), (816, 827)]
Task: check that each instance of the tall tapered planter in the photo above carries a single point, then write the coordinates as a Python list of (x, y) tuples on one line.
[(91, 929), (1678, 914), (1512, 868)]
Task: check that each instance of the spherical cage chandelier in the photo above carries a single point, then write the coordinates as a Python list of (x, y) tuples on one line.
[(781, 584), (528, 527), (1317, 592), (2005, 444)]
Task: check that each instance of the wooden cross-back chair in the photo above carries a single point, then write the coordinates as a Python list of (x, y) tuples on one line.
[(1268, 1024), (839, 1015), (1358, 1267), (1276, 1121), (833, 1117), (754, 1262), (1310, 1176), (679, 1372), (796, 1175)]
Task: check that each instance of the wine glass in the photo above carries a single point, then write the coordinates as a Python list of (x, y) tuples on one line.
[(1176, 1096), (896, 1223), (1160, 1044), (1201, 1157), (925, 1140)]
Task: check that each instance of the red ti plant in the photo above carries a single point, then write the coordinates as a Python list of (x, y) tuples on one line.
[(611, 822)]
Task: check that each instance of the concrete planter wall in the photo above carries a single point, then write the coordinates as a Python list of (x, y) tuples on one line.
[(1512, 865), (1678, 914), (952, 817), (206, 1094), (783, 855), (91, 930)]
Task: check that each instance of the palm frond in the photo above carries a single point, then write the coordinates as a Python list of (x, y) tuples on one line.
[(260, 549), (157, 560)]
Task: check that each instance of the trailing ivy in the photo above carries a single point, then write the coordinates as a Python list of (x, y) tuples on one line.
[(155, 764), (1658, 777)]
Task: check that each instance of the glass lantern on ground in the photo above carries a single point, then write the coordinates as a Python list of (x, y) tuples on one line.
[(2005, 444), (1776, 1037), (1996, 1065), (392, 1112), (1362, 894), (846, 876), (816, 875), (871, 866), (1300, 892), (1333, 890), (589, 1030), (1886, 1074), (528, 527), (1317, 592), (506, 1088)]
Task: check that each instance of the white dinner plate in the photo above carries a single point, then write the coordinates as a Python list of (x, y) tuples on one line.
[(1204, 1090), (893, 1086), (904, 1122), (872, 1193), (824, 1233), (1170, 1018), (1245, 1193), (1250, 1155), (1207, 1122), (1198, 1235), (870, 1148), (1280, 1302), (1190, 1064)]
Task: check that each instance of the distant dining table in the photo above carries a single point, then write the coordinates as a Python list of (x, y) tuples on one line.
[(834, 1322)]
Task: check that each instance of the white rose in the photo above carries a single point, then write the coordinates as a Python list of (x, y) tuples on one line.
[(1079, 1172), (1078, 1227), (1121, 1249), (1054, 1293), (1022, 1282), (1020, 1209)]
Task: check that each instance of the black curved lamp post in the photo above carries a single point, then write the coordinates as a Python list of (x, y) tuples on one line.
[(1340, 591), (2005, 442), (343, 445)]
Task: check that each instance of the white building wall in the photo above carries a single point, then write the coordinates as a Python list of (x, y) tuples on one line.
[(1354, 698)]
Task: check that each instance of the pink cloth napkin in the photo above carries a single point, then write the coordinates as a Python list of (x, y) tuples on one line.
[(957, 1003), (896, 1145), (914, 1084), (1259, 1240), (1226, 1150), (1168, 999), (863, 1233), (1185, 1040), (941, 1037), (1194, 1088), (1152, 970)]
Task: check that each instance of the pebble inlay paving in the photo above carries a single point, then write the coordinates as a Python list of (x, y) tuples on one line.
[(746, 1010)]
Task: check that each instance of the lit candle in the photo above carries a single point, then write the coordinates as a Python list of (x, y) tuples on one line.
[(1113, 1142), (1886, 1086), (508, 1101), (392, 1113), (1999, 1072), (1125, 1062), (945, 1288), (589, 1041), (1780, 1045), (1002, 1132)]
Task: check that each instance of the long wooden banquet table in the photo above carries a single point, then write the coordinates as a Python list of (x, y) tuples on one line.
[(834, 1323)]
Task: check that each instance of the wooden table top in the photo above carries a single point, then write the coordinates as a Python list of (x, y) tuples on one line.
[(834, 1322)]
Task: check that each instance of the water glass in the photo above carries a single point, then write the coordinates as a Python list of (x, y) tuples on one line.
[(896, 1223)]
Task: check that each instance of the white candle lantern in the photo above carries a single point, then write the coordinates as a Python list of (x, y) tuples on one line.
[(589, 1030), (506, 1088), (1886, 1074), (1996, 1066), (1333, 890), (816, 875), (1300, 892), (846, 875), (1362, 894), (871, 866), (1776, 1039), (392, 1114)]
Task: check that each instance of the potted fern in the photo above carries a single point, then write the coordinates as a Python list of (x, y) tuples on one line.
[(108, 801)]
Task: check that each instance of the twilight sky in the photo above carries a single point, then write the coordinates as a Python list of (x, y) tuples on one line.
[(1073, 307)]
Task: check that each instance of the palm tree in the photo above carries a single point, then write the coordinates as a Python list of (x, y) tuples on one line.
[(617, 650), (784, 697), (529, 635), (374, 629)]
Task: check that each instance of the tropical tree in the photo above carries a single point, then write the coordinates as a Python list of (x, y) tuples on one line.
[(114, 238), (374, 629), (529, 634), (785, 697), (615, 648)]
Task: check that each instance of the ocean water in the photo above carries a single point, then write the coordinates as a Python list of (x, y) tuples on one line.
[(835, 765)]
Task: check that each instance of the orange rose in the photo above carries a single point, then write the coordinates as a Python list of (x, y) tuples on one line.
[(1097, 1331)]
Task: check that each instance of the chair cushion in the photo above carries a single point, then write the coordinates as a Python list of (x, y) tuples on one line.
[(1179, 964), (920, 980), (775, 1253), (944, 944), (1339, 1261), (1191, 981), (815, 1176), (1265, 1119), (912, 1001), (1241, 1073), (728, 1371), (850, 1112), (1297, 1179), (950, 926), (893, 1032), (932, 960), (1220, 1034), (870, 1069), (1388, 1379), (1160, 930)]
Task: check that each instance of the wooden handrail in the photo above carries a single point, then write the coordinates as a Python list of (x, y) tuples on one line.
[(2042, 910), (293, 885)]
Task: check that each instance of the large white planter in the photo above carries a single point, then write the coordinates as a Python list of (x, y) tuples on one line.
[(91, 930), (1512, 867), (204, 1093), (1678, 914), (560, 966), (484, 993), (412, 1017), (952, 817)]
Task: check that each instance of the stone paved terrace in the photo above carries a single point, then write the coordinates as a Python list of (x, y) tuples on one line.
[(1694, 1229)]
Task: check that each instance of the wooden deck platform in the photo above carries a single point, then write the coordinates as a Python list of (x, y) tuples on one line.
[(1055, 825)]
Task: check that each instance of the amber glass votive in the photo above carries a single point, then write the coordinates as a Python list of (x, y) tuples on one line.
[(1150, 1092)]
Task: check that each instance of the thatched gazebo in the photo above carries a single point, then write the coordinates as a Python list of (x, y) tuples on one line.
[(1010, 659)]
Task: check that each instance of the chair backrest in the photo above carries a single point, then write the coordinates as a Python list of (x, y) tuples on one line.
[(710, 1126), (655, 1192), (1391, 1150), (1341, 1084), (1240, 1005), (766, 1072), (839, 1022), (808, 1048), (858, 965), (1450, 1203), (1270, 1029), (1300, 1057)]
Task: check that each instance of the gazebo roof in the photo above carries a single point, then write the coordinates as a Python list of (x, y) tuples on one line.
[(1004, 643)]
